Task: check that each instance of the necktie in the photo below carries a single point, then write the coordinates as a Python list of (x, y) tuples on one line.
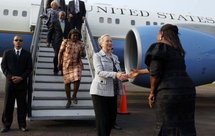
[(76, 6), (17, 54)]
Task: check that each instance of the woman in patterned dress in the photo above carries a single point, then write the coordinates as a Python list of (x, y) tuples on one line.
[(69, 58)]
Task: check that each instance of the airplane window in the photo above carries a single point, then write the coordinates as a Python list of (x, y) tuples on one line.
[(132, 22), (15, 12), (101, 20), (162, 23), (147, 23), (109, 20), (117, 21), (5, 12), (24, 13), (155, 23)]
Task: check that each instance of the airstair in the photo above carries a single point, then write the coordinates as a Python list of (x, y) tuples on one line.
[(47, 98)]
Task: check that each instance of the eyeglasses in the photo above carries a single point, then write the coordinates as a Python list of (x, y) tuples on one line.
[(20, 40)]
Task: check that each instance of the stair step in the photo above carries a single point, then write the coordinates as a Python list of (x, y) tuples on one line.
[(46, 49), (53, 103), (62, 118), (86, 114), (46, 72), (46, 59), (59, 79), (62, 107), (50, 65), (58, 89), (51, 94), (58, 86), (47, 54), (59, 98), (43, 42), (43, 33)]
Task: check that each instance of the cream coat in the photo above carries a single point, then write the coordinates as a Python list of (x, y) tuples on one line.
[(102, 84)]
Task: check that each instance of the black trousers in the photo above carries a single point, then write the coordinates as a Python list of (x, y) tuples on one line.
[(56, 48), (105, 111), (76, 22), (19, 93)]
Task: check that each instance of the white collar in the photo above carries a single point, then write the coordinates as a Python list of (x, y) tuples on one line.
[(18, 50), (61, 21)]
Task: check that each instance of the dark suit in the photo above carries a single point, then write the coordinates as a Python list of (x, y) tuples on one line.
[(55, 36), (13, 66), (76, 20)]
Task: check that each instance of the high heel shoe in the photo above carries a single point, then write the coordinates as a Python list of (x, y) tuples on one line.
[(68, 104), (75, 100)]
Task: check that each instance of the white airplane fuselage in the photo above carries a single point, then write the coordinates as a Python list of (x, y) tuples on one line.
[(117, 21), (17, 17)]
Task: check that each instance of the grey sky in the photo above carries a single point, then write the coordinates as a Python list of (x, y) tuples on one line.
[(193, 7)]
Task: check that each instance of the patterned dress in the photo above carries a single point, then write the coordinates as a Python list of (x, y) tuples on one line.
[(71, 60)]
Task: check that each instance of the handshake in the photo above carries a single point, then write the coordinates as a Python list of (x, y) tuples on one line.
[(123, 76), (134, 73)]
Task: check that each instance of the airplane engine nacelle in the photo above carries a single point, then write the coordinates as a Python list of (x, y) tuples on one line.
[(199, 57)]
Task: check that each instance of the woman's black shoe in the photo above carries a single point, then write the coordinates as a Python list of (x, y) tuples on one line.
[(68, 104), (117, 127)]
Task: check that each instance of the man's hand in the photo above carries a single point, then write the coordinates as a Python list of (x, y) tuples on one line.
[(16, 79)]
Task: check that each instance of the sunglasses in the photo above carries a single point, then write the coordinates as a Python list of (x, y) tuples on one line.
[(20, 40)]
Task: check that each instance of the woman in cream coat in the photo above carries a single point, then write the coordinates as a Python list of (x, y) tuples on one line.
[(106, 86)]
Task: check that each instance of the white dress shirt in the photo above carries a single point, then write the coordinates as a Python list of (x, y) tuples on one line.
[(19, 51), (62, 25)]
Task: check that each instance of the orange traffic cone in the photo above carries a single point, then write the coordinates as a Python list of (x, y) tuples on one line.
[(123, 103)]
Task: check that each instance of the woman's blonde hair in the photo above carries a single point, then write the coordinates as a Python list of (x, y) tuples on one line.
[(101, 38), (54, 3)]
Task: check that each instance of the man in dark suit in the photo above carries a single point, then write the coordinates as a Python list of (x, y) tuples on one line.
[(17, 66), (76, 13), (58, 31)]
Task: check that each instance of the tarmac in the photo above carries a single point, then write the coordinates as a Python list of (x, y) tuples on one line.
[(139, 122)]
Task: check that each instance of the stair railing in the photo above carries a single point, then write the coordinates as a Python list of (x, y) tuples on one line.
[(33, 50)]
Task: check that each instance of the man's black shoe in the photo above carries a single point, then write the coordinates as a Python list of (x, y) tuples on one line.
[(3, 130), (117, 127), (23, 129), (48, 45)]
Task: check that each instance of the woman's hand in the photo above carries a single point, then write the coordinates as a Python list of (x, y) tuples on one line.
[(151, 99), (121, 76), (141, 71), (133, 73)]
